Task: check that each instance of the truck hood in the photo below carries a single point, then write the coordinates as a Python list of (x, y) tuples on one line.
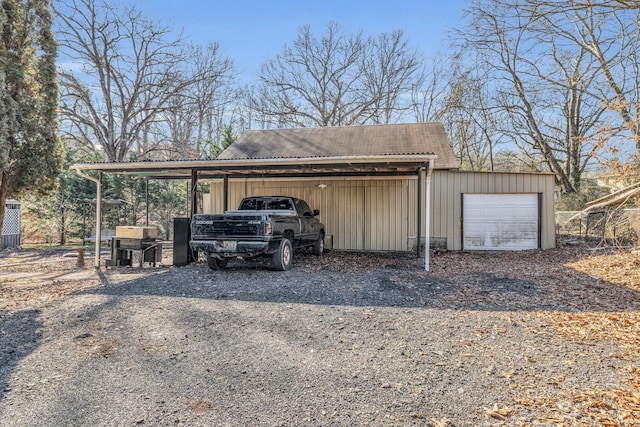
[(281, 212)]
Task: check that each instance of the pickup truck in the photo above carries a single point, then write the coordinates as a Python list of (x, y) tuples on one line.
[(261, 226)]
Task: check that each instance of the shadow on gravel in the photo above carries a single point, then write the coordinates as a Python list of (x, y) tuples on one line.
[(388, 286), (20, 335)]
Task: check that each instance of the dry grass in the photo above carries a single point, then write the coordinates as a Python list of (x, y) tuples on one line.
[(619, 406)]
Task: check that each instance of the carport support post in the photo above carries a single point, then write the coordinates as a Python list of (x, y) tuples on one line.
[(98, 211), (419, 214), (427, 214), (146, 201), (194, 191), (96, 261), (225, 203)]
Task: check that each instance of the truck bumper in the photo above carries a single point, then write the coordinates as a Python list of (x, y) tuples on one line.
[(233, 248)]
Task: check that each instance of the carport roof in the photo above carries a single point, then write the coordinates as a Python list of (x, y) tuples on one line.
[(376, 150), (258, 168)]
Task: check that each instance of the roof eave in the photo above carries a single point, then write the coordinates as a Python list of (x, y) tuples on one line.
[(218, 164)]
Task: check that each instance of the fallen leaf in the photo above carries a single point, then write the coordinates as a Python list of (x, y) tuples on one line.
[(499, 413)]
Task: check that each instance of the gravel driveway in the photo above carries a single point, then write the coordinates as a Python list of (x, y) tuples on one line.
[(346, 339)]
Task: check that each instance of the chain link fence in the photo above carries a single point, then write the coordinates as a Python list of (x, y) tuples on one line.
[(608, 226)]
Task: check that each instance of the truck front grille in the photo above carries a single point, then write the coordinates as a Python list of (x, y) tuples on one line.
[(232, 228)]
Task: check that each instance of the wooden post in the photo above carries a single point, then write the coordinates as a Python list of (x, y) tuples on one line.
[(80, 261)]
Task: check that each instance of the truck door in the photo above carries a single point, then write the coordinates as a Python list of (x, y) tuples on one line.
[(308, 223)]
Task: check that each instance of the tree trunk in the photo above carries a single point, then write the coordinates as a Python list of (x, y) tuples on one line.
[(63, 231)]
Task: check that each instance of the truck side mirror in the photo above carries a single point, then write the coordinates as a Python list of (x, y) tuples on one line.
[(316, 212)]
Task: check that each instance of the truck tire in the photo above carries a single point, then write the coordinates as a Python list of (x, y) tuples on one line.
[(215, 263), (282, 258), (318, 246)]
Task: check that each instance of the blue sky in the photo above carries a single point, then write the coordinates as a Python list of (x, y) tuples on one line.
[(249, 32)]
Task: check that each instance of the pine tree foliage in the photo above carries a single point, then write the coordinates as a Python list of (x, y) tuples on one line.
[(31, 154)]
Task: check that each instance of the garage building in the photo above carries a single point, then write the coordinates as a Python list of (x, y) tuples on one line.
[(379, 212), (374, 186)]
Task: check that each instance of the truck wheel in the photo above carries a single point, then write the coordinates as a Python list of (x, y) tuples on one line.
[(282, 258), (222, 262), (318, 246)]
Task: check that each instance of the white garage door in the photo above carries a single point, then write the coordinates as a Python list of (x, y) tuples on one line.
[(500, 221)]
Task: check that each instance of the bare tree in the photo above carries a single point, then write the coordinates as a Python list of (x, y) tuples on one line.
[(542, 84), (610, 34), (391, 70), (337, 79), (473, 120), (315, 82), (121, 71), (428, 96), (461, 100), (198, 113), (602, 6), (214, 95)]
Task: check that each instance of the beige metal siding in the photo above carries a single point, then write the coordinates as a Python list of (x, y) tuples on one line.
[(447, 189), (212, 202), (388, 220), (347, 218), (382, 214), (360, 214)]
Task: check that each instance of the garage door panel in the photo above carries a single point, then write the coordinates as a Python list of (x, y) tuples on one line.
[(500, 221)]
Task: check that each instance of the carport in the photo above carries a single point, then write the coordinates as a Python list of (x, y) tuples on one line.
[(396, 165)]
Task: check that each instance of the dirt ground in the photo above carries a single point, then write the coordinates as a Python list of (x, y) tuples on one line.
[(497, 338)]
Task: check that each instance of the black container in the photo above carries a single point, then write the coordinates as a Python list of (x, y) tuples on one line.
[(182, 254)]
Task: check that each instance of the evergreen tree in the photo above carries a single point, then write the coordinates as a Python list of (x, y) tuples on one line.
[(228, 137), (211, 150), (31, 153)]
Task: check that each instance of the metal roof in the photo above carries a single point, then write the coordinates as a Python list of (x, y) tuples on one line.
[(248, 168), (374, 140), (376, 150)]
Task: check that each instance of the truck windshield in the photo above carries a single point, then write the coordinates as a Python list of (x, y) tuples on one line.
[(265, 204)]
